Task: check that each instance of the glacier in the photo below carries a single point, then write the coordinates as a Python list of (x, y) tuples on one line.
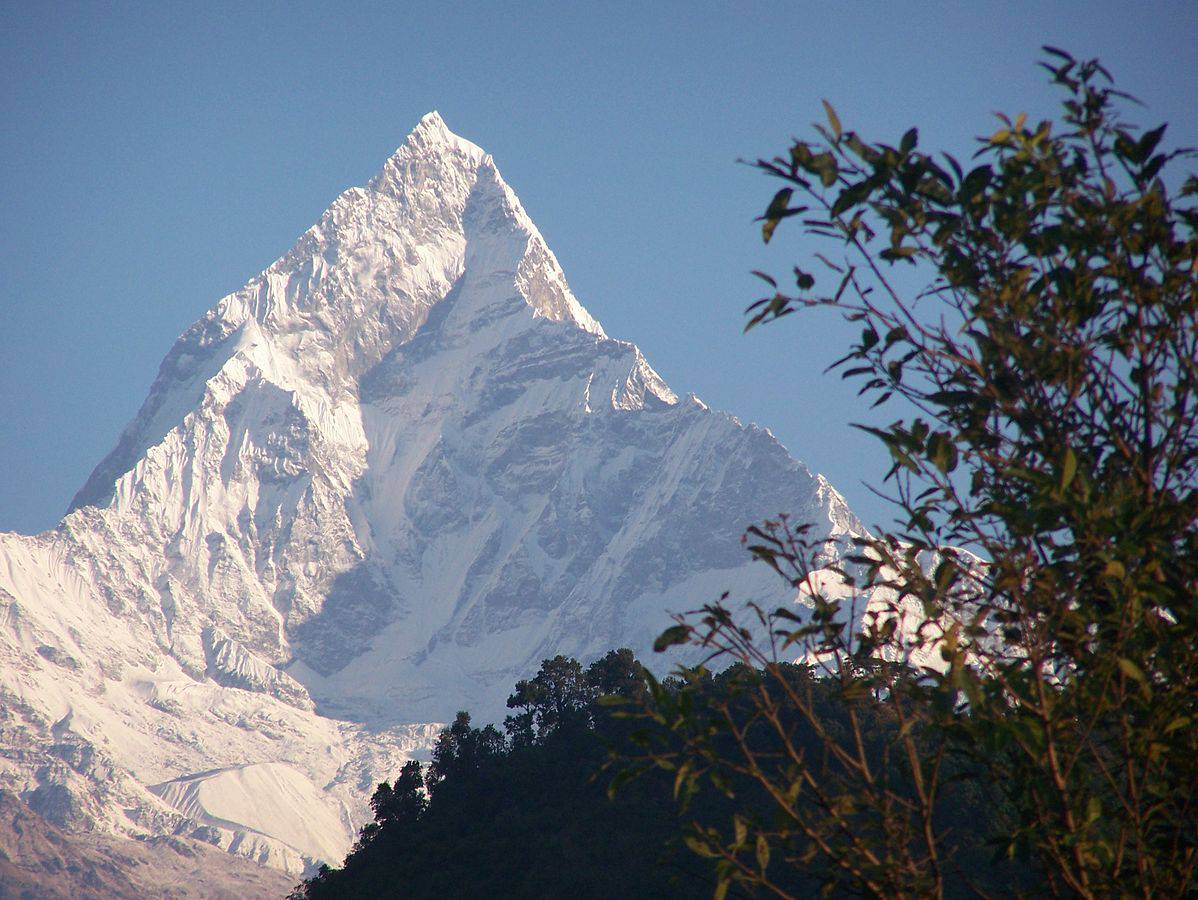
[(378, 484)]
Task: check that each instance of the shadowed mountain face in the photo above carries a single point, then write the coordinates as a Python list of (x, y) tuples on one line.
[(376, 485)]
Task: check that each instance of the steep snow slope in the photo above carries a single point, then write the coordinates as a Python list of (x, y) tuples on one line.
[(376, 485)]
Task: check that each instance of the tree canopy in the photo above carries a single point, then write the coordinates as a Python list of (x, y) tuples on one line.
[(534, 811), (1030, 624), (524, 812)]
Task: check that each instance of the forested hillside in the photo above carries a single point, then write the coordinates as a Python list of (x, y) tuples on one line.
[(529, 811)]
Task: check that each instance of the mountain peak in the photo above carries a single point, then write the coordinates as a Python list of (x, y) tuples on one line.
[(432, 121), (376, 485), (432, 134)]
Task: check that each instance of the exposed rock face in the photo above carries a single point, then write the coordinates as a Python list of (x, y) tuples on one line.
[(376, 485)]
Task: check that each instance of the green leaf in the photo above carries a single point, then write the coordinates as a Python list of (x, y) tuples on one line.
[(683, 772), (721, 889), (1153, 167), (828, 170), (833, 119), (851, 196), (763, 852), (775, 213), (943, 452), (893, 254), (1132, 671), (1056, 51), (1148, 142), (740, 830), (620, 779), (676, 634), (976, 181), (1068, 468)]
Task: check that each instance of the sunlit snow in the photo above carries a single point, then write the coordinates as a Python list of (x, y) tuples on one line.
[(376, 485)]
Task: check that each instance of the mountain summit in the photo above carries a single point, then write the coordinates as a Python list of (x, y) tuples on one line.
[(376, 485)]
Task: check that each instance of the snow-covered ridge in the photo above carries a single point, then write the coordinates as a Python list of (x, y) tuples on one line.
[(356, 284), (376, 485)]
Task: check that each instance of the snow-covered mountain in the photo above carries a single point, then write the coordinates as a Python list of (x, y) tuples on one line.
[(376, 485)]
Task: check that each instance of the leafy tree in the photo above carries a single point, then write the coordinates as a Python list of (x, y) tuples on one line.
[(560, 696), (404, 803), (461, 750), (617, 674), (1048, 370), (527, 816)]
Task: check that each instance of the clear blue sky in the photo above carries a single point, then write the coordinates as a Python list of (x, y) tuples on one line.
[(154, 157)]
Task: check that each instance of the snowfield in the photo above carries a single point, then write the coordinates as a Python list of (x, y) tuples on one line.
[(376, 485)]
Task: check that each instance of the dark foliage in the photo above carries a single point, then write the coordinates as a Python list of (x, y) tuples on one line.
[(526, 813), (756, 754), (534, 813), (1049, 370)]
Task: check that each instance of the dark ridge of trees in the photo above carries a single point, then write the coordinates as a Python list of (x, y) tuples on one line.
[(524, 812), (551, 807)]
